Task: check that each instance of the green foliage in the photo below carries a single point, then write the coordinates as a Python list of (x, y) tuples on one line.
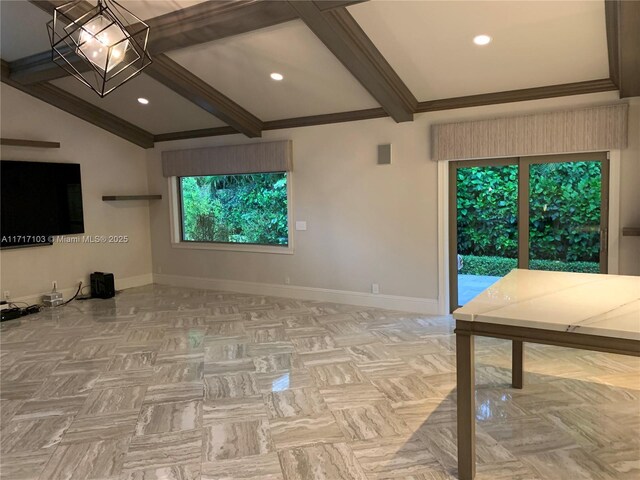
[(500, 266), (492, 266), (235, 208), (488, 211), (564, 209)]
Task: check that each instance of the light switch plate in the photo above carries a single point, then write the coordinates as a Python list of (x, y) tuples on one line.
[(301, 225)]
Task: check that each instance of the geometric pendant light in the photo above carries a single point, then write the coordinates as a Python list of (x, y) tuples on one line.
[(103, 47)]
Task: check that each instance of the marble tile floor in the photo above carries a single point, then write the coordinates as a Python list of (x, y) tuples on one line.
[(166, 383)]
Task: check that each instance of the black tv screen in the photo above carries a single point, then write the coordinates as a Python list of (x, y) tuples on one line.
[(39, 201)]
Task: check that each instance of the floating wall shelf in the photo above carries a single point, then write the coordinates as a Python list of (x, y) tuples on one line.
[(631, 232), (16, 142), (117, 198)]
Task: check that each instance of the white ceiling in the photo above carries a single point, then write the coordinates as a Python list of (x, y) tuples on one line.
[(166, 112), (428, 43), (315, 82), (535, 43), (17, 40), (146, 9), (23, 30)]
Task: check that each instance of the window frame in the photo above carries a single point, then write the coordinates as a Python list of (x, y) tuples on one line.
[(523, 163), (176, 225)]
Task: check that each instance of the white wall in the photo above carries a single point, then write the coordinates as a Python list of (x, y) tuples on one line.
[(630, 193), (366, 222), (109, 165)]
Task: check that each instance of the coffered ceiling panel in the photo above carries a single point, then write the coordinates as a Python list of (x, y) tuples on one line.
[(23, 30), (146, 9), (23, 26), (166, 112), (315, 82), (430, 43)]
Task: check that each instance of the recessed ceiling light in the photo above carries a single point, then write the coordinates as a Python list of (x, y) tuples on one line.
[(276, 76), (143, 101), (482, 39)]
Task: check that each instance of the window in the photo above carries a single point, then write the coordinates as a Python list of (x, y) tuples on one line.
[(235, 209), (537, 212)]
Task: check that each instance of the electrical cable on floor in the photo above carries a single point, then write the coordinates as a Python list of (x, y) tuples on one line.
[(72, 298), (35, 308), (14, 311), (84, 297), (15, 304)]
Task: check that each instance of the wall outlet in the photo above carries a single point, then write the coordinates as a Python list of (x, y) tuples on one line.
[(375, 288), (287, 280), (80, 281), (54, 286), (7, 295)]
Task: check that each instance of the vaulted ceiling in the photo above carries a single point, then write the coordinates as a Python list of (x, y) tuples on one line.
[(341, 61)]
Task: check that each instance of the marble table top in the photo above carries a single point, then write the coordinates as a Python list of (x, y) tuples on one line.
[(593, 304)]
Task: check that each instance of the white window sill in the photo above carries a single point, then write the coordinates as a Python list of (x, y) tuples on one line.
[(231, 247)]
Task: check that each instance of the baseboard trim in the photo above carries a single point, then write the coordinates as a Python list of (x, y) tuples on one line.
[(137, 281), (67, 293), (391, 302)]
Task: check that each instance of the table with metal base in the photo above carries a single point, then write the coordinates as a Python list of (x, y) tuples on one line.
[(604, 313)]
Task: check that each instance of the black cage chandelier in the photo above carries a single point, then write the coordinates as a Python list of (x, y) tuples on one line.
[(103, 47)]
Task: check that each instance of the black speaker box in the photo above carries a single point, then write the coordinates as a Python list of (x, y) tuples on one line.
[(102, 285)]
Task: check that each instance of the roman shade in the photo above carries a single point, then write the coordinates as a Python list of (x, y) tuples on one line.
[(591, 129), (229, 159)]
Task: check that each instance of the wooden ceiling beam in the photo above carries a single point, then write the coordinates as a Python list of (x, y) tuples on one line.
[(296, 122), (209, 21), (200, 23), (342, 35), (526, 94), (194, 89), (326, 118), (48, 6), (183, 82), (611, 11), (623, 41), (522, 95), (40, 67), (75, 106), (200, 133)]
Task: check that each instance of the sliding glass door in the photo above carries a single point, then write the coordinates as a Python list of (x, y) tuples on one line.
[(486, 224), (541, 213), (567, 212)]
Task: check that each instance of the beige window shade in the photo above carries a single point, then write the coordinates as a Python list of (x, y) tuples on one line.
[(230, 159), (582, 130)]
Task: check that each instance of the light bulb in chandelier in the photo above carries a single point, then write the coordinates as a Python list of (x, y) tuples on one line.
[(108, 38), (103, 43)]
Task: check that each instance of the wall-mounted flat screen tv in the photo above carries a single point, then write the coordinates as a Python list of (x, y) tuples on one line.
[(38, 201)]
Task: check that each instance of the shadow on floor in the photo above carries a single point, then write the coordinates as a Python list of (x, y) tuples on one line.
[(554, 428)]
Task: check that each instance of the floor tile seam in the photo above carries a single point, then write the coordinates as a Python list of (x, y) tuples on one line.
[(5, 422), (560, 449), (43, 467), (35, 394), (375, 475), (97, 415), (52, 456)]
